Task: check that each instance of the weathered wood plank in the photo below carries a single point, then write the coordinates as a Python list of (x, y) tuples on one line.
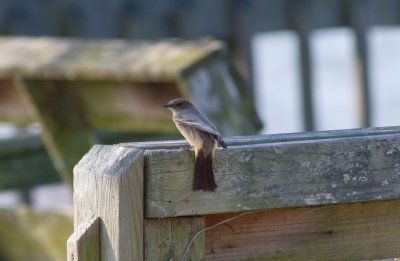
[(84, 243), (52, 58), (108, 183), (168, 238), (357, 231), (278, 174)]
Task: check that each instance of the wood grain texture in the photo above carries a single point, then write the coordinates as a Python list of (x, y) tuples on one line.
[(84, 243), (357, 231), (277, 174), (167, 238), (108, 183)]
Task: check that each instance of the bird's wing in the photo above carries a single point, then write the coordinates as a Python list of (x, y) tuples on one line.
[(198, 122)]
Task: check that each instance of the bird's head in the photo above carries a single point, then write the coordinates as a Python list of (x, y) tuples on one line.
[(179, 104)]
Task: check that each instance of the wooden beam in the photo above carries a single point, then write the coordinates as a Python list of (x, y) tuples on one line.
[(110, 60), (168, 238), (84, 243), (66, 129), (358, 231), (108, 183), (292, 173), (302, 23)]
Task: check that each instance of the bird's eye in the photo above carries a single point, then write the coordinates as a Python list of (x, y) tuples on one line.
[(178, 104)]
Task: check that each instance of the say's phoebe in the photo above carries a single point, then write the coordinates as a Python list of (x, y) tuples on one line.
[(201, 135)]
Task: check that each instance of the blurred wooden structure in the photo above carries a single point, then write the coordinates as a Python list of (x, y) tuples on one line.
[(235, 21), (303, 196), (24, 163), (26, 234), (80, 91)]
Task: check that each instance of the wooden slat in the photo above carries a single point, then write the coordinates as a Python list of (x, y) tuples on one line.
[(303, 25), (360, 20), (168, 238), (273, 175), (84, 243), (108, 183), (273, 138), (358, 231), (52, 58)]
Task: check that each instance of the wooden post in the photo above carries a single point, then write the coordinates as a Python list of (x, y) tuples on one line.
[(66, 130), (84, 243), (302, 24), (108, 183), (360, 22)]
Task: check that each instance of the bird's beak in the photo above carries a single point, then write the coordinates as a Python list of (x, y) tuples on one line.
[(167, 106)]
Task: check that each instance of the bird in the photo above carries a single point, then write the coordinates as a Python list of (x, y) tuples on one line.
[(202, 136)]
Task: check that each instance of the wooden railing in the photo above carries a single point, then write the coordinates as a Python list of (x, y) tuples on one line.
[(304, 196)]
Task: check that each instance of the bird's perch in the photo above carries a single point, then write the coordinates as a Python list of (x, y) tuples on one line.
[(307, 195)]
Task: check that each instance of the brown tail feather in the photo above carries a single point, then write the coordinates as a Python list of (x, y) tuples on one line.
[(203, 173)]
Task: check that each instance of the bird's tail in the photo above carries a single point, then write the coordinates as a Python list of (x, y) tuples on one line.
[(203, 173), (220, 141)]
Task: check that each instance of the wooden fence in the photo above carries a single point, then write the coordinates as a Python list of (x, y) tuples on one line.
[(305, 196)]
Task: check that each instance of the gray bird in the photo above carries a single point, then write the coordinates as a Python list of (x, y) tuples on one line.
[(202, 136)]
